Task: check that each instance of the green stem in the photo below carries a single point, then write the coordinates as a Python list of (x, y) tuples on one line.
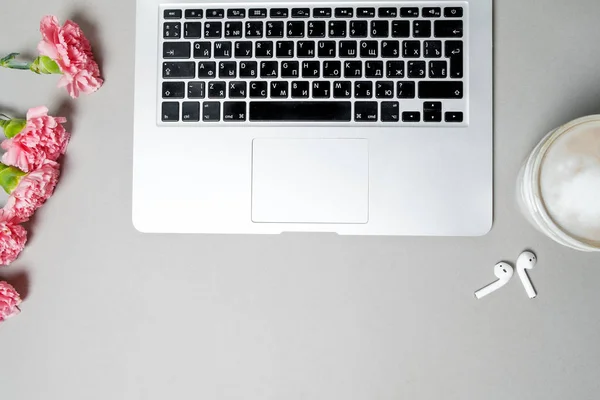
[(9, 62)]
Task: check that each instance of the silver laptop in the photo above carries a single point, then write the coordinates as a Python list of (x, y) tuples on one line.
[(354, 117)]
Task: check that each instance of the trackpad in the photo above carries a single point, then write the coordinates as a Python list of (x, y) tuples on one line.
[(310, 180)]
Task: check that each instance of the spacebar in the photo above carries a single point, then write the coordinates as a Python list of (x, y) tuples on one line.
[(300, 111)]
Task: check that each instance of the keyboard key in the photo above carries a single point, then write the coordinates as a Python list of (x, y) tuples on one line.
[(337, 29), (332, 69), (234, 111), (290, 69), (394, 69), (275, 29), (243, 50), (411, 49), (170, 111), (279, 90), (202, 50), (172, 14), (416, 69), (321, 89), (347, 49), (196, 90), (190, 111), (300, 12), (453, 116), (300, 89), (453, 12), (215, 13), (352, 69), (316, 29), (365, 111), (359, 28), (172, 30), (368, 48), (432, 112), (173, 90), (192, 30), (233, 29), (176, 50), (305, 49), (409, 12), (400, 29), (344, 12), (342, 89), (258, 89), (373, 69), (440, 90), (248, 69), (405, 90), (432, 12), (216, 90), (432, 48), (227, 69), (390, 111), (236, 13), (380, 29), (296, 111), (363, 90), (264, 49), (254, 29), (387, 12), (326, 48), (173, 70), (365, 12), (211, 111), (454, 51), (310, 69), (295, 29), (212, 30), (411, 116), (284, 49), (390, 49), (437, 69), (279, 13), (448, 29), (257, 13), (207, 69), (421, 29), (322, 12), (268, 69), (222, 50), (194, 14), (384, 89)]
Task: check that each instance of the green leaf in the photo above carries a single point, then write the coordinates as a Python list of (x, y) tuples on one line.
[(13, 127), (45, 65), (10, 177)]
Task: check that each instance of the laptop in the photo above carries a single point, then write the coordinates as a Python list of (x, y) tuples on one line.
[(352, 117)]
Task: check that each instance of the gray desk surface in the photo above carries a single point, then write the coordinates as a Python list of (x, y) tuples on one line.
[(114, 314)]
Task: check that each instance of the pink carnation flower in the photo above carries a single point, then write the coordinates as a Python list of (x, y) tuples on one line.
[(70, 49), (12, 238), (9, 301), (43, 138)]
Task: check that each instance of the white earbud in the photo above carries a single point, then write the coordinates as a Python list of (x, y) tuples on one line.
[(503, 272), (526, 260)]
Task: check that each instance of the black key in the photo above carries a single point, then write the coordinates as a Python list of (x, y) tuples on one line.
[(316, 29), (196, 90), (416, 69), (359, 28), (212, 30), (176, 50), (172, 30), (363, 90), (279, 90), (390, 111), (380, 28), (365, 12), (173, 70), (432, 12), (268, 69), (344, 12), (321, 89), (194, 14), (448, 28), (207, 69), (432, 49), (257, 13), (384, 89), (353, 69), (342, 90), (453, 116), (365, 111), (411, 116), (405, 90), (454, 51), (300, 111), (284, 49), (453, 12), (279, 12), (295, 29), (322, 12), (400, 29), (432, 112), (290, 69), (227, 69), (440, 90), (394, 69), (248, 69), (437, 69), (326, 48), (190, 111), (173, 90), (215, 13), (202, 50), (421, 29), (211, 111), (305, 49), (332, 69), (243, 50), (275, 29), (172, 14), (233, 29), (347, 49), (373, 69), (170, 111), (254, 29), (237, 90), (300, 12), (222, 50), (368, 48), (192, 30), (310, 69), (411, 49), (258, 89), (337, 29), (300, 89), (234, 111), (390, 49), (216, 90), (409, 12), (264, 49), (236, 13), (387, 12)]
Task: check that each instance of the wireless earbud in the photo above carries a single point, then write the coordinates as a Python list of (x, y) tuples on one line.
[(503, 272), (526, 260)]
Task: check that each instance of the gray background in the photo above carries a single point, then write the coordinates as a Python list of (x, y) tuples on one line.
[(114, 314)]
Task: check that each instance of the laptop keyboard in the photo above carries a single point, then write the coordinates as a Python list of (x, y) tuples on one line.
[(344, 64)]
